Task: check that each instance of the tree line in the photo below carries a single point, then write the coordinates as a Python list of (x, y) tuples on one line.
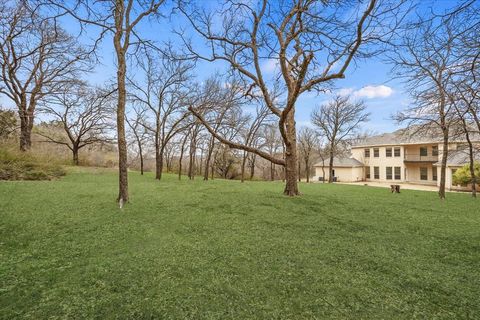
[(157, 104)]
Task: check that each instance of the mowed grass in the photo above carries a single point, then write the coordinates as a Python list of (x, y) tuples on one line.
[(227, 250)]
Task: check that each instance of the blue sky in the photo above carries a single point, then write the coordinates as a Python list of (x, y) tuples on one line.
[(368, 80)]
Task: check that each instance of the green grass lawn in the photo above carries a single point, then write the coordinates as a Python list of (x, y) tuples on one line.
[(227, 250)]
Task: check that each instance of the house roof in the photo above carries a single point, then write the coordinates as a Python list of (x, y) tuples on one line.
[(412, 135), (341, 162), (459, 158)]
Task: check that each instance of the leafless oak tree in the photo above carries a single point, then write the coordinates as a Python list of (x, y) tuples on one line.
[(338, 121), (118, 18), (308, 142), (83, 114), (312, 42), (37, 58)]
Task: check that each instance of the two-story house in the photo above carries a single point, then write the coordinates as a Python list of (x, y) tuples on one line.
[(398, 157)]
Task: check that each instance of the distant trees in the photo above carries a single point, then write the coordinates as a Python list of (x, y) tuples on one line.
[(37, 58), (337, 121), (311, 42), (161, 87), (83, 115), (308, 143)]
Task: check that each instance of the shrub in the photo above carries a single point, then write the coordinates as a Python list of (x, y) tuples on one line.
[(15, 165), (463, 177)]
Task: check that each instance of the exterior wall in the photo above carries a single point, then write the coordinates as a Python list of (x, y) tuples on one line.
[(343, 174), (382, 161), (412, 173)]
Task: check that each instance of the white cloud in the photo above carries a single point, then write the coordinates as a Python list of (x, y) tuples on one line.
[(371, 92), (270, 65), (345, 91)]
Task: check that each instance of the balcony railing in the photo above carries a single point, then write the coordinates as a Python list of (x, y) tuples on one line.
[(420, 158)]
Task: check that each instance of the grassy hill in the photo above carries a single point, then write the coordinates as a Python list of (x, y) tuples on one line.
[(227, 250)]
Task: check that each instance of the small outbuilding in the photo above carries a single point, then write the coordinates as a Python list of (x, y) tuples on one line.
[(344, 170)]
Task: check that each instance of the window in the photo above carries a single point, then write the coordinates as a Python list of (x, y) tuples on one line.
[(396, 151), (423, 173), (367, 172), (376, 172), (423, 151), (367, 153), (435, 151), (388, 152), (434, 174), (389, 173), (376, 152), (398, 171)]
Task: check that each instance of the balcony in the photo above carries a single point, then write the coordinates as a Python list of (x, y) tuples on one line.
[(420, 158)]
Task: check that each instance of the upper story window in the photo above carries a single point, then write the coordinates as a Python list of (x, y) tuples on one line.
[(423, 151), (435, 151), (367, 153), (376, 152), (396, 151), (388, 152)]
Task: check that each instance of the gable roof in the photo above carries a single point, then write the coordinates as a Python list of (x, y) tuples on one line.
[(412, 135), (341, 162)]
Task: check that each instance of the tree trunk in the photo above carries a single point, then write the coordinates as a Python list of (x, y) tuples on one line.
[(141, 157), (244, 161), (291, 184), (209, 158), (330, 167), (26, 125), (181, 157), (75, 155), (159, 163), (122, 143), (441, 190), (307, 171), (191, 163), (252, 166), (272, 171), (472, 160)]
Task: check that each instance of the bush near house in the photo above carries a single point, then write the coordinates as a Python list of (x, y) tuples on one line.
[(463, 177)]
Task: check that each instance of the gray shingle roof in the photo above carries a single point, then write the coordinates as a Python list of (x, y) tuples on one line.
[(341, 162), (413, 135)]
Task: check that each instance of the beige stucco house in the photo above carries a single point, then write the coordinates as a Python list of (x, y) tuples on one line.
[(399, 157)]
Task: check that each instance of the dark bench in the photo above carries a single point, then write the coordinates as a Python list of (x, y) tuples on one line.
[(395, 188)]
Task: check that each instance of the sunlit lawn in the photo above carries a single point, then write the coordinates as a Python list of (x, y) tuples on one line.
[(227, 250)]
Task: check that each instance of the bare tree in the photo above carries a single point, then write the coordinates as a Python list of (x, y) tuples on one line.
[(250, 134), (137, 129), (428, 60), (163, 92), (82, 113), (37, 58), (308, 142), (338, 121), (119, 18), (312, 42)]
